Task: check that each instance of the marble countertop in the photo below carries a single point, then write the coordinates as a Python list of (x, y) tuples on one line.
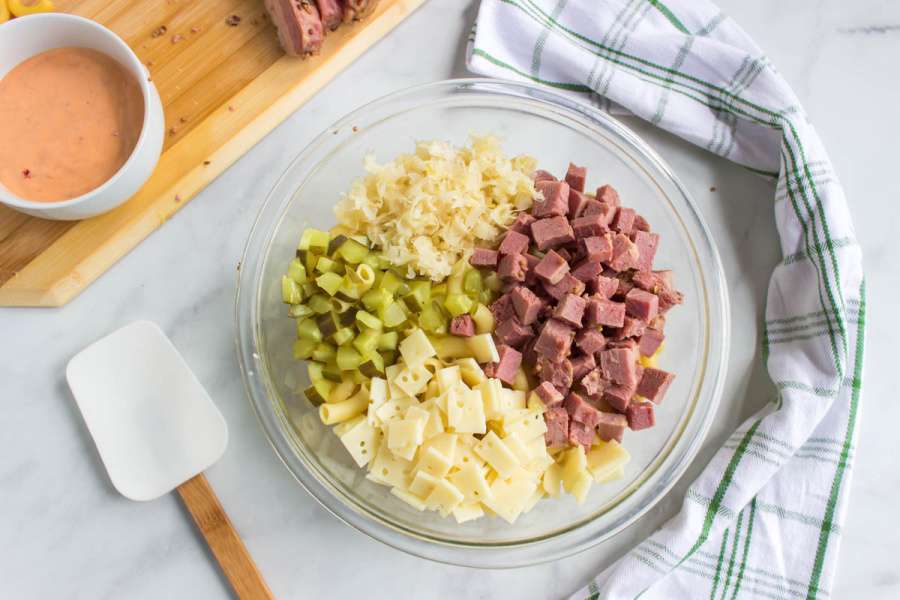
[(66, 533)]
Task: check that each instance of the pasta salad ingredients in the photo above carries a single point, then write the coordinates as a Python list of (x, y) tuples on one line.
[(428, 209)]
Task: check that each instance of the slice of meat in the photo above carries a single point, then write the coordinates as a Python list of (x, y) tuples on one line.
[(590, 341), (552, 232), (577, 202), (618, 365), (514, 243), (526, 304), (567, 285), (587, 269), (558, 373), (654, 384), (588, 225), (508, 365), (557, 420), (299, 27), (513, 333), (641, 304), (354, 10), (593, 384), (576, 176), (502, 308), (513, 267), (625, 253), (618, 396), (548, 394), (580, 434), (552, 267), (611, 426), (650, 341), (582, 365), (608, 194), (623, 222), (646, 244), (462, 326), (570, 310), (542, 175), (331, 13), (640, 415), (600, 311), (604, 286), (483, 257), (555, 201), (598, 247), (522, 224)]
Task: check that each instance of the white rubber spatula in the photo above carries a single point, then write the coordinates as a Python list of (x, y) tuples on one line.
[(157, 429)]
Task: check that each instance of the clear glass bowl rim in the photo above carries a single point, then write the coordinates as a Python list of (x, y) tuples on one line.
[(551, 548)]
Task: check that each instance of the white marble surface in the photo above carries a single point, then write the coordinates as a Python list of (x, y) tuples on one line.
[(65, 533)]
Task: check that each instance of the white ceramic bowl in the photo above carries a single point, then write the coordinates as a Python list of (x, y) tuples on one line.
[(24, 37)]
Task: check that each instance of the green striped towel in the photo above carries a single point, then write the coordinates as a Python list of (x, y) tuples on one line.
[(763, 520)]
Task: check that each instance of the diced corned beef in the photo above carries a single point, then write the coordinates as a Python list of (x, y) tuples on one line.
[(645, 280), (604, 312), (513, 333), (605, 211), (593, 384), (641, 304), (531, 279), (582, 365), (587, 269), (625, 285), (625, 253), (571, 310), (514, 243), (552, 232), (623, 222), (566, 285), (581, 411), (555, 202), (646, 244), (523, 222), (659, 283), (554, 341), (557, 420), (618, 396), (640, 223), (551, 267), (597, 247), (558, 373), (490, 370), (483, 257), (669, 298), (542, 175), (590, 225), (605, 286), (548, 394), (608, 194), (502, 308), (628, 344), (528, 354), (590, 341), (611, 426), (526, 304), (654, 384), (581, 434), (650, 342), (575, 177), (565, 254), (665, 278), (630, 328), (513, 267), (577, 203), (659, 323), (618, 365), (510, 360), (463, 326), (640, 415)]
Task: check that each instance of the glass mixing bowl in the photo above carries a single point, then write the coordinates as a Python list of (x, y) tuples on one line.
[(555, 130)]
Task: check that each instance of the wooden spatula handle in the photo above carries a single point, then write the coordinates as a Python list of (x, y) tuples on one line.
[(223, 540)]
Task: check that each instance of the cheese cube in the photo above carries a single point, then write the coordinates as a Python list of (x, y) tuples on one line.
[(533, 500), (605, 459), (551, 480), (433, 462), (530, 426), (469, 479), (444, 497), (448, 378), (416, 348), (435, 424), (423, 483), (517, 447), (495, 453), (412, 380), (362, 441), (509, 497), (465, 411), (405, 432), (389, 469), (491, 390), (394, 409), (582, 486), (483, 348), (471, 372), (378, 395), (512, 400), (617, 474), (574, 464), (390, 375), (535, 403), (467, 512), (409, 498)]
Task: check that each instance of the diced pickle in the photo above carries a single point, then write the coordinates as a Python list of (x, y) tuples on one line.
[(314, 370), (335, 243), (347, 318), (326, 265), (419, 295), (390, 282), (297, 271), (439, 290), (340, 306), (330, 282), (458, 304), (366, 342), (388, 341), (376, 299), (472, 283), (308, 330), (326, 324), (348, 358), (303, 348), (343, 335), (373, 365), (392, 315), (431, 319), (352, 251), (323, 352), (369, 320), (331, 371), (290, 291), (493, 282), (484, 319), (314, 239), (312, 394), (319, 303), (299, 311)]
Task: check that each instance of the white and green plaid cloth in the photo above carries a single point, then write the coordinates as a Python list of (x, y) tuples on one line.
[(764, 518)]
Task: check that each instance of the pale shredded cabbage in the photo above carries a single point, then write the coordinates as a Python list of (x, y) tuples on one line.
[(427, 210)]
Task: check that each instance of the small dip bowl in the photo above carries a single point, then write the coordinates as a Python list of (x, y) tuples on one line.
[(22, 38)]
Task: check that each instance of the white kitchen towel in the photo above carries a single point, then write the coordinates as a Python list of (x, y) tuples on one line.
[(764, 518)]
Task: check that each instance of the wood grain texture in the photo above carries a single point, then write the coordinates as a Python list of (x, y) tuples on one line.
[(223, 89), (225, 543)]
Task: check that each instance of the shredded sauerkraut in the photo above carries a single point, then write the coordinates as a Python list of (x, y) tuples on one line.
[(429, 209)]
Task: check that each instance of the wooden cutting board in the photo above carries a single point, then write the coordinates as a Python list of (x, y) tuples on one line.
[(223, 88)]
